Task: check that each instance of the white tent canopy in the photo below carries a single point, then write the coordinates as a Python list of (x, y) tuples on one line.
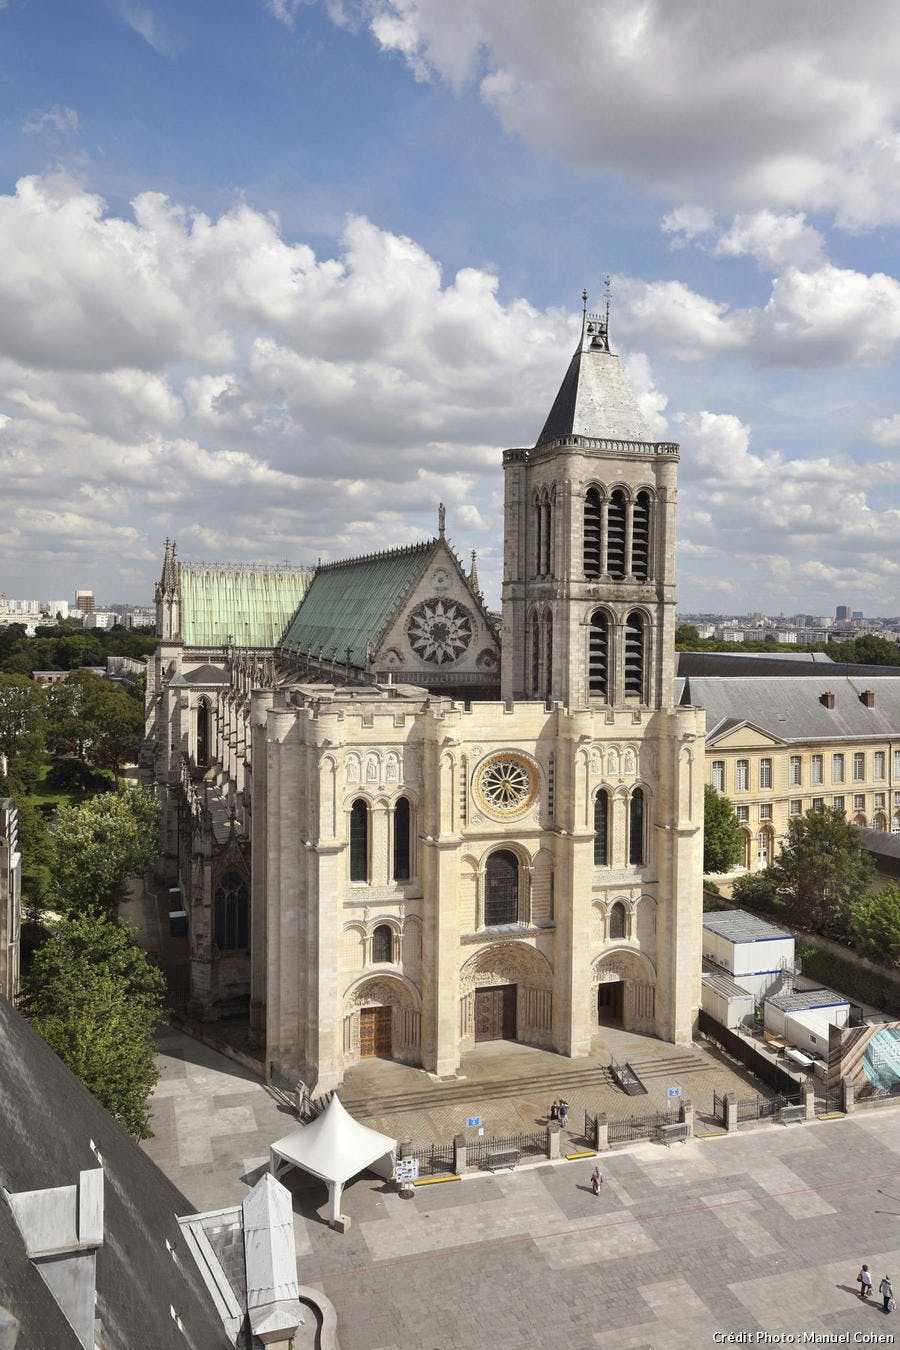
[(334, 1147)]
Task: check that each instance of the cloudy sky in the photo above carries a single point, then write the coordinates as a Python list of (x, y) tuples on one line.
[(276, 277)]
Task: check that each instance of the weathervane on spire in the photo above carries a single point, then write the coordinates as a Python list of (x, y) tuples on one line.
[(608, 285)]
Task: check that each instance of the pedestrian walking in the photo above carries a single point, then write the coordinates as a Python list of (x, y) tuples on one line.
[(864, 1280), (563, 1112), (554, 1111), (596, 1180), (886, 1290)]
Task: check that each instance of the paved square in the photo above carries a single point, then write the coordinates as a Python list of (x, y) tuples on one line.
[(762, 1231)]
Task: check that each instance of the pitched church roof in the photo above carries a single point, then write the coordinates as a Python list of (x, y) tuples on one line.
[(48, 1122), (249, 605), (595, 398), (349, 603)]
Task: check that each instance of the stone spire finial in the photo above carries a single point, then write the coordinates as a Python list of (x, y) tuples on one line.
[(170, 567), (442, 519), (473, 576)]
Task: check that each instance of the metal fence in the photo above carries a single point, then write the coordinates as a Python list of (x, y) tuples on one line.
[(641, 1127), (434, 1160), (875, 1096), (482, 1153)]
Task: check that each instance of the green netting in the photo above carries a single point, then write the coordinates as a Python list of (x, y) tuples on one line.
[(349, 604), (251, 607)]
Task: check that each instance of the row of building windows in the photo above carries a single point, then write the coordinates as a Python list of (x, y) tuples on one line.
[(815, 770), (795, 806), (360, 836)]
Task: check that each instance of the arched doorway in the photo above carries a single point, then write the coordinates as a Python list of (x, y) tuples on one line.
[(506, 994), (623, 991), (382, 1020)]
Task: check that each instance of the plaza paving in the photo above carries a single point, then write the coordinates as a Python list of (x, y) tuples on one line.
[(762, 1231)]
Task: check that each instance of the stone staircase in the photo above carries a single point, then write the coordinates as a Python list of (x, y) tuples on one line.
[(543, 1085)]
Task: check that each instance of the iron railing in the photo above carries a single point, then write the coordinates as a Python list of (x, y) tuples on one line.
[(641, 1127), (434, 1160)]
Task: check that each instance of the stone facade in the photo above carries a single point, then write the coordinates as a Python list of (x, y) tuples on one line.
[(430, 867)]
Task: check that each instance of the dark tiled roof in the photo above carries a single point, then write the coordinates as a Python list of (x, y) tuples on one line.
[(596, 400), (47, 1120), (809, 664), (790, 707)]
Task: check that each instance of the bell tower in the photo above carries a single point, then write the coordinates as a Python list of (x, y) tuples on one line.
[(589, 545)]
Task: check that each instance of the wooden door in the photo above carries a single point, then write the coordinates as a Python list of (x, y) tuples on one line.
[(495, 1013), (375, 1033)]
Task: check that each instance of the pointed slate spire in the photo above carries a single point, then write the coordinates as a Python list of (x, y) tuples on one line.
[(595, 398), (169, 577)]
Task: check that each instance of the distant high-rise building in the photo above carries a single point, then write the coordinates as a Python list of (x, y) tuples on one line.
[(842, 614), (84, 600), (857, 616)]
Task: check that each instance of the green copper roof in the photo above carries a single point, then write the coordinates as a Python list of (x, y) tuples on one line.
[(250, 605), (349, 603)]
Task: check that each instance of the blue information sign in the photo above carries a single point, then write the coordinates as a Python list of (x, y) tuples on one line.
[(674, 1092), (472, 1121)]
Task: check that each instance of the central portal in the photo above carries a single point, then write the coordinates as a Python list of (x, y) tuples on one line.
[(495, 1013)]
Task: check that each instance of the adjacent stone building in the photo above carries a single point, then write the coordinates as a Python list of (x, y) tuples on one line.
[(417, 837)]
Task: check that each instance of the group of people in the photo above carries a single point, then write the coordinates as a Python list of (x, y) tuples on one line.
[(560, 1111), (885, 1289)]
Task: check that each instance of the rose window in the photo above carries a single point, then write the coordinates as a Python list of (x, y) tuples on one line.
[(440, 630), (505, 783)]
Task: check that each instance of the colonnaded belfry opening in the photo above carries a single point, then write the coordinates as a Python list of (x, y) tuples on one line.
[(403, 826)]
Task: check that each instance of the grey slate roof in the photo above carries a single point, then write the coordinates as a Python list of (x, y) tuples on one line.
[(722, 983), (807, 999), (790, 707), (594, 399), (738, 926), (47, 1120), (775, 663)]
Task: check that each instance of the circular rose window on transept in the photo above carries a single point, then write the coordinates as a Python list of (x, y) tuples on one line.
[(440, 630), (505, 783)]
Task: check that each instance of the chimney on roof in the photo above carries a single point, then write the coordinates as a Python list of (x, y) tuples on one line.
[(827, 700), (867, 698)]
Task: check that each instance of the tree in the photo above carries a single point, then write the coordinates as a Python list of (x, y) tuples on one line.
[(823, 870), (686, 635), (95, 999), (36, 845), (100, 843), (875, 923), (22, 724), (118, 725), (723, 838), (757, 890)]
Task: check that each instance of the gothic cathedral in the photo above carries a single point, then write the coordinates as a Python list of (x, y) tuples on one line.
[(398, 831)]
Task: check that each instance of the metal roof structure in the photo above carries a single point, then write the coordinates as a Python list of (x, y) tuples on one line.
[(722, 983), (807, 999), (794, 708), (349, 603), (738, 926), (233, 604)]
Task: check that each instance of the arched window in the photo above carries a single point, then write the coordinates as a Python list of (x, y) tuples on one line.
[(640, 537), (203, 735), (382, 944), (538, 536), (598, 656), (402, 868), (615, 536), (359, 841), (535, 656), (636, 828), (634, 656), (617, 920), (601, 829), (593, 516), (232, 903), (501, 889), (547, 559), (548, 654), (879, 822)]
